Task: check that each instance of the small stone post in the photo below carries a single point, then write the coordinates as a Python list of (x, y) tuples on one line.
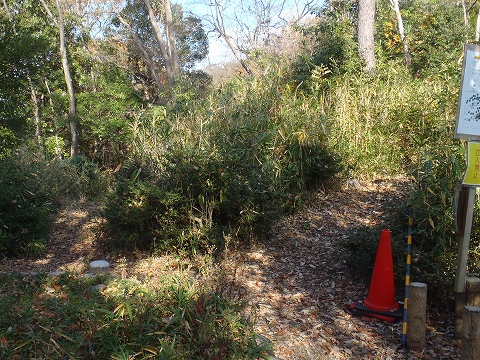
[(417, 316), (99, 266), (473, 291), (471, 333)]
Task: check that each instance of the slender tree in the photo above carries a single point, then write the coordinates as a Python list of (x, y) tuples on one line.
[(218, 23), (140, 46), (401, 31), (365, 33), (165, 39), (33, 92), (477, 27), (72, 112)]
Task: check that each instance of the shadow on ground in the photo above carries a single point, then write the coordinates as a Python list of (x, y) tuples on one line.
[(301, 286)]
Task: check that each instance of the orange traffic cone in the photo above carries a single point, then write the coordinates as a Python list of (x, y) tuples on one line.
[(380, 302)]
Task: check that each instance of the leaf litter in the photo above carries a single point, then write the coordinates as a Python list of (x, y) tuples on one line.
[(297, 287)]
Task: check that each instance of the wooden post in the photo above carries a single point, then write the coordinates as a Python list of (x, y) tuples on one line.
[(417, 316), (465, 206), (473, 291), (471, 333)]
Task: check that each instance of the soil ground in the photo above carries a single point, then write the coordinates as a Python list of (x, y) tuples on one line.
[(298, 288)]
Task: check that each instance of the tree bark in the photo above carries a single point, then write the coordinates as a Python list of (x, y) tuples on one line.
[(36, 115), (7, 10), (172, 48), (168, 50), (406, 49), (465, 13), (365, 33), (477, 27), (140, 47), (72, 111)]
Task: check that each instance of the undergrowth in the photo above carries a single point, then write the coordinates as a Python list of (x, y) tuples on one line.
[(228, 167), (63, 317), (31, 188)]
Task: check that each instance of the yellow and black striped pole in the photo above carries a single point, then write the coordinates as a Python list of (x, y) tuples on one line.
[(407, 278)]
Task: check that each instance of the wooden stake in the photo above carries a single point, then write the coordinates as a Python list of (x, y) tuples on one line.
[(471, 334), (465, 206), (473, 291), (417, 316)]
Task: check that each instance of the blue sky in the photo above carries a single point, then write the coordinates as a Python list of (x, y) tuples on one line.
[(219, 51)]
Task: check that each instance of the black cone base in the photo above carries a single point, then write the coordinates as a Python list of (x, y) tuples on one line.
[(360, 309)]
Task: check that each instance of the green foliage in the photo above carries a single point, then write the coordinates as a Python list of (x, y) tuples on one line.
[(433, 200), (394, 123), (26, 42), (62, 317), (232, 163), (8, 141), (106, 134), (334, 44), (30, 186), (434, 31), (192, 40), (434, 38), (384, 122), (25, 210), (141, 213)]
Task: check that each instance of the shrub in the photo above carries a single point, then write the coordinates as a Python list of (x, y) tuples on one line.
[(141, 214), (186, 208), (172, 318), (232, 171), (25, 210), (434, 238), (30, 188), (87, 178)]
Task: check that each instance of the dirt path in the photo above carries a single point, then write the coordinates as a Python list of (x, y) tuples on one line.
[(304, 291), (298, 288)]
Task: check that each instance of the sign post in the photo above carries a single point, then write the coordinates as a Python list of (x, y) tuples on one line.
[(468, 128)]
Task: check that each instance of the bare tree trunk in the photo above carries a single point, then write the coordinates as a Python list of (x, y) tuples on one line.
[(58, 149), (365, 33), (465, 13), (172, 49), (7, 10), (406, 49), (72, 112), (36, 115), (168, 50), (140, 47)]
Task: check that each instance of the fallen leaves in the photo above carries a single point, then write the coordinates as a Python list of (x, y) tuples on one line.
[(305, 290), (298, 289)]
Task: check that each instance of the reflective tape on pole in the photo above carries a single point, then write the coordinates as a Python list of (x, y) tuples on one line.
[(407, 278)]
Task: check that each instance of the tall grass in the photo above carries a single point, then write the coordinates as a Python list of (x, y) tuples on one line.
[(232, 162), (383, 123), (392, 123), (173, 318)]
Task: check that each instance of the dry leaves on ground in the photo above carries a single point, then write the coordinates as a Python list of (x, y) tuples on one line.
[(298, 289)]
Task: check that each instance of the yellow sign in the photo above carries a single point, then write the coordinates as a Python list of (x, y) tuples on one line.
[(472, 175)]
